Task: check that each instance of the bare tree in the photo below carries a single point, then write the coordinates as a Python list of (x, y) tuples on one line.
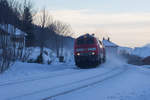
[(63, 30), (43, 20), (42, 32)]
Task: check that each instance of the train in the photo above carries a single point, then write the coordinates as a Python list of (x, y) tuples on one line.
[(89, 51)]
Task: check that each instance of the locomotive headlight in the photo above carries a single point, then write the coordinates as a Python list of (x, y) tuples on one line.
[(91, 49), (93, 53), (78, 54)]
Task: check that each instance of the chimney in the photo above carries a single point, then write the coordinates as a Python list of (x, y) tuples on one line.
[(108, 39), (103, 38)]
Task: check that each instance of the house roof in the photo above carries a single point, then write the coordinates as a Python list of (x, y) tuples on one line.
[(108, 43), (11, 29)]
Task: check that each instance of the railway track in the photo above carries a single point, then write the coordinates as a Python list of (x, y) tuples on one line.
[(86, 85), (38, 78), (71, 87)]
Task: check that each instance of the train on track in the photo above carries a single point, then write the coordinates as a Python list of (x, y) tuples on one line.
[(88, 51)]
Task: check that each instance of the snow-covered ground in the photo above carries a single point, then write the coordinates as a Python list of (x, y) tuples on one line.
[(50, 56), (132, 84), (142, 51), (21, 71), (114, 80)]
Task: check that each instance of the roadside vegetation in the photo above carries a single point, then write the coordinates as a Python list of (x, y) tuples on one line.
[(41, 30)]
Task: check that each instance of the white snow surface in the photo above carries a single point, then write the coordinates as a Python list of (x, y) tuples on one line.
[(133, 84), (142, 51), (114, 80), (48, 54), (139, 51), (109, 43), (21, 71)]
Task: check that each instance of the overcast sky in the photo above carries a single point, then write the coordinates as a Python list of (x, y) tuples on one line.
[(126, 22)]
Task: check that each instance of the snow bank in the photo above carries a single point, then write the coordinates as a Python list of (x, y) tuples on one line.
[(69, 56), (25, 70), (142, 51), (48, 55), (22, 70), (138, 51)]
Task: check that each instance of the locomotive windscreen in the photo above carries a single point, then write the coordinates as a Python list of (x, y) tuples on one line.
[(84, 41)]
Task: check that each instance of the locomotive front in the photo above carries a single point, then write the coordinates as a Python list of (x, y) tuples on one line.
[(87, 51)]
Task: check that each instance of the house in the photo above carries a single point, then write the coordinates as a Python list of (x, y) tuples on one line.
[(12, 40), (13, 35), (110, 46)]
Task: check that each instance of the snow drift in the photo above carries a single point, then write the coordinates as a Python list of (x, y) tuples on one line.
[(142, 51)]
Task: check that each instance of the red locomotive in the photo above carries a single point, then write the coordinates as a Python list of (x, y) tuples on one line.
[(88, 50)]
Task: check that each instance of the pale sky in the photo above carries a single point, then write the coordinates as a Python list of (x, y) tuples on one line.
[(126, 22)]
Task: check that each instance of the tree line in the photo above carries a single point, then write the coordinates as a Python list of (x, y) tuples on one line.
[(45, 32)]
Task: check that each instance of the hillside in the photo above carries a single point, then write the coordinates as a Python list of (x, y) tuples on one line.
[(142, 51)]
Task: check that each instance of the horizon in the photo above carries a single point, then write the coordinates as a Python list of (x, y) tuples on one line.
[(125, 22)]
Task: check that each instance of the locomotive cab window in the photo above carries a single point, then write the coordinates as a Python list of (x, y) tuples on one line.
[(84, 41)]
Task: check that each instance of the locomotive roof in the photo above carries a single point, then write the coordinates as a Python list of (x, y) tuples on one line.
[(86, 35)]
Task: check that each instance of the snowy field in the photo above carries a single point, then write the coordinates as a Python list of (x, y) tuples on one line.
[(114, 80)]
